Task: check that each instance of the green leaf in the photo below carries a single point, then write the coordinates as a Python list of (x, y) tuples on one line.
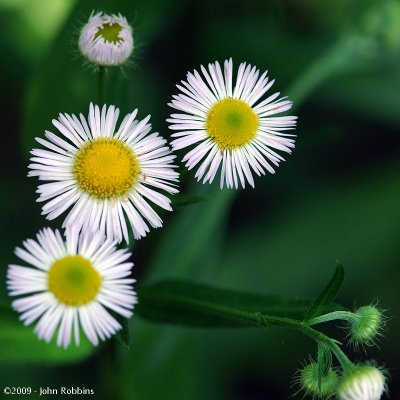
[(198, 305), (181, 200), (201, 223), (327, 295), (20, 345)]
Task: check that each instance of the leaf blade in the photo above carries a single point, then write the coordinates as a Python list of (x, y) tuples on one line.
[(203, 306), (327, 295)]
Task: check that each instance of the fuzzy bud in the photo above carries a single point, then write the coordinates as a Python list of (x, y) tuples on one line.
[(363, 382), (366, 325), (323, 388)]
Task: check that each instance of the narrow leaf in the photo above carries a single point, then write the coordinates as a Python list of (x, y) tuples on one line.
[(327, 296), (198, 305)]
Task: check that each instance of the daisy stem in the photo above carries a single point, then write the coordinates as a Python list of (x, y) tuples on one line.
[(109, 370), (101, 73)]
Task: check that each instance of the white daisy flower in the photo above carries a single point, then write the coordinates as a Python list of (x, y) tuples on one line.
[(364, 382), (106, 40), (229, 124), (103, 174), (71, 285)]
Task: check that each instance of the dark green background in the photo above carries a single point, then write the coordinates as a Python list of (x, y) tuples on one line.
[(336, 197)]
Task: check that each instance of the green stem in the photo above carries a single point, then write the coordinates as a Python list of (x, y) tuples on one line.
[(109, 370), (266, 321), (263, 320), (342, 315), (248, 318), (101, 74), (341, 357)]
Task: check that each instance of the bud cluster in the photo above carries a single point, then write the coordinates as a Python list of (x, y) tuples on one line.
[(354, 381)]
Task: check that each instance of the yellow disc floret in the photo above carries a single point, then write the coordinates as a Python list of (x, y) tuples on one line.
[(110, 32), (231, 123), (73, 280), (106, 168)]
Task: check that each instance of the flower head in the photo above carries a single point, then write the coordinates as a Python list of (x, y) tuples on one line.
[(310, 384), (364, 382), (229, 124), (106, 40), (366, 325), (70, 284), (105, 175)]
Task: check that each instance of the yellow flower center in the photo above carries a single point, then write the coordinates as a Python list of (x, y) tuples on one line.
[(73, 280), (106, 168), (231, 123), (110, 33)]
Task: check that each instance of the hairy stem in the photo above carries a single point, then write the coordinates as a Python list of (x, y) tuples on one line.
[(342, 315), (258, 319)]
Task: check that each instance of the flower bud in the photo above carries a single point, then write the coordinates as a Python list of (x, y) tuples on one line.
[(325, 387), (363, 382), (366, 325), (106, 40)]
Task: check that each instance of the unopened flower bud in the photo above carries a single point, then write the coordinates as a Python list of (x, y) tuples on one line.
[(323, 388), (366, 325), (106, 40), (364, 382)]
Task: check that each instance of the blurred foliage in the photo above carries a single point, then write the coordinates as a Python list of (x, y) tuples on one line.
[(337, 197), (20, 345)]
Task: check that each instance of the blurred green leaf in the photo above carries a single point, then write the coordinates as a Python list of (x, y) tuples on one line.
[(191, 245), (19, 344), (199, 222), (198, 305), (369, 93), (325, 299)]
